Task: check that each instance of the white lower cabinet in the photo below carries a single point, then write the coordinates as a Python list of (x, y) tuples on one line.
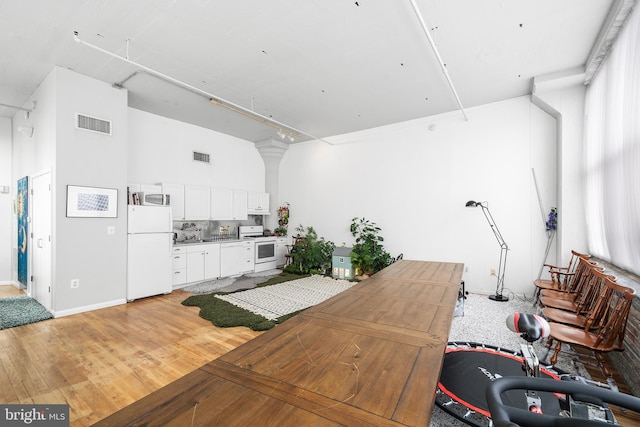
[(195, 265), (281, 251), (211, 261), (203, 262), (179, 266), (237, 258)]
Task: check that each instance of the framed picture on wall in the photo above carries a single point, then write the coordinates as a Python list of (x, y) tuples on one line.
[(91, 202)]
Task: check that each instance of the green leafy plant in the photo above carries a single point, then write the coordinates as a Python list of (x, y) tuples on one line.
[(283, 220), (368, 255), (310, 254)]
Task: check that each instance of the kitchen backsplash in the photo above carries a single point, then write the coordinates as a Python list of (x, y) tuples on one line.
[(202, 230)]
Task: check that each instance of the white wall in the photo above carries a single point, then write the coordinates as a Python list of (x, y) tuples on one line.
[(6, 202), (83, 248), (567, 103), (414, 178), (160, 151)]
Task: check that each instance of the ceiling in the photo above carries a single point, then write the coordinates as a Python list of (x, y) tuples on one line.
[(323, 67)]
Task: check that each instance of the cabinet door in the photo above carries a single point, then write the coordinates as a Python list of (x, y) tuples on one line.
[(176, 191), (196, 202), (240, 205), (246, 261), (211, 262), (258, 202), (195, 267), (281, 251), (179, 277), (229, 255), (221, 204)]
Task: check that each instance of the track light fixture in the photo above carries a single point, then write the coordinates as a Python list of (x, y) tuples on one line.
[(290, 130), (283, 134)]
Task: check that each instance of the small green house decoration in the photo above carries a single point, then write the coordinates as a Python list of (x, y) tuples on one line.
[(341, 264)]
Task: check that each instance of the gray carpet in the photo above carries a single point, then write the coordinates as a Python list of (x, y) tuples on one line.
[(21, 310), (209, 286)]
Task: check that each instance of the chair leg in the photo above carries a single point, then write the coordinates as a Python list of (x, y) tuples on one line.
[(554, 358), (536, 296)]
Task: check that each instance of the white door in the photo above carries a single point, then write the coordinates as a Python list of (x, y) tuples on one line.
[(41, 239)]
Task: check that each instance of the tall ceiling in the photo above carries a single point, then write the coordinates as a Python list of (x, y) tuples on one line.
[(325, 67)]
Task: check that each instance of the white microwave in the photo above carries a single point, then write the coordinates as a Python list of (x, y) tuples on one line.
[(154, 199)]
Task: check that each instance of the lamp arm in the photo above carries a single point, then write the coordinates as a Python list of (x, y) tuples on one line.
[(503, 253), (494, 227)]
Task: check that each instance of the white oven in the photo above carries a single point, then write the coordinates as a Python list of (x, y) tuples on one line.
[(265, 252)]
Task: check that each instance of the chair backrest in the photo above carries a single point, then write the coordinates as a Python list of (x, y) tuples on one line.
[(579, 278), (595, 298), (610, 335), (562, 276)]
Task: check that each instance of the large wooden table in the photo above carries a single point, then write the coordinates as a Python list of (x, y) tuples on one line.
[(370, 356)]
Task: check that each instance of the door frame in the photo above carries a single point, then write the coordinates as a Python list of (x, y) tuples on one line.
[(48, 303)]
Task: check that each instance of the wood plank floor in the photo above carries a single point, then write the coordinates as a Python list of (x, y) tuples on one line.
[(101, 361)]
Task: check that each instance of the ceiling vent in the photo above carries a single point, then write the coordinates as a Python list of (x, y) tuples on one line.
[(93, 124), (201, 157)]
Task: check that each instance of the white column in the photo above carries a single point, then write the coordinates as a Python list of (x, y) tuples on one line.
[(272, 152)]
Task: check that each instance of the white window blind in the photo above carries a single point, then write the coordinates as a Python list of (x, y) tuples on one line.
[(612, 150)]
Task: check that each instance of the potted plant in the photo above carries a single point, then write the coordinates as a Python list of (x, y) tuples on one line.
[(368, 255), (283, 220), (310, 254)]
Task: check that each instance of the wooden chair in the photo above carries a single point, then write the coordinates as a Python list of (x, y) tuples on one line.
[(589, 311), (290, 248), (607, 337), (579, 291), (560, 276)]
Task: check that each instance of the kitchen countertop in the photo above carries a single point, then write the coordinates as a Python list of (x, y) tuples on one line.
[(206, 242)]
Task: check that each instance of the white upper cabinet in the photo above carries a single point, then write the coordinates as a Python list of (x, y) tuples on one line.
[(240, 205), (221, 204), (176, 191), (197, 202), (258, 203)]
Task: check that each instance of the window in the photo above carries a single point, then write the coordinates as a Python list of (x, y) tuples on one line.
[(612, 150)]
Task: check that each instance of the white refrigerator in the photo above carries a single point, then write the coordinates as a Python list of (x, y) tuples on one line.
[(149, 247)]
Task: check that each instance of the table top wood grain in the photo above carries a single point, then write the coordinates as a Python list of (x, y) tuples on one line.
[(370, 355)]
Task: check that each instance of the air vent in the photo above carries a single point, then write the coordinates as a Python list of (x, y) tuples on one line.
[(201, 157), (93, 124)]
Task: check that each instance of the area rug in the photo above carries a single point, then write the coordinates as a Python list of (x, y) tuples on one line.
[(21, 310), (273, 272), (209, 286), (278, 300)]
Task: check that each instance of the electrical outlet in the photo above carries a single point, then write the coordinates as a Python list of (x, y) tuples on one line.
[(75, 283), (493, 272)]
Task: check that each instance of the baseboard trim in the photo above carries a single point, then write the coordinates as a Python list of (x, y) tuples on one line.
[(12, 283), (85, 308)]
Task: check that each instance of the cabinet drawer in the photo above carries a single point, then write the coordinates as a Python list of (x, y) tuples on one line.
[(179, 277), (179, 250), (178, 261)]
